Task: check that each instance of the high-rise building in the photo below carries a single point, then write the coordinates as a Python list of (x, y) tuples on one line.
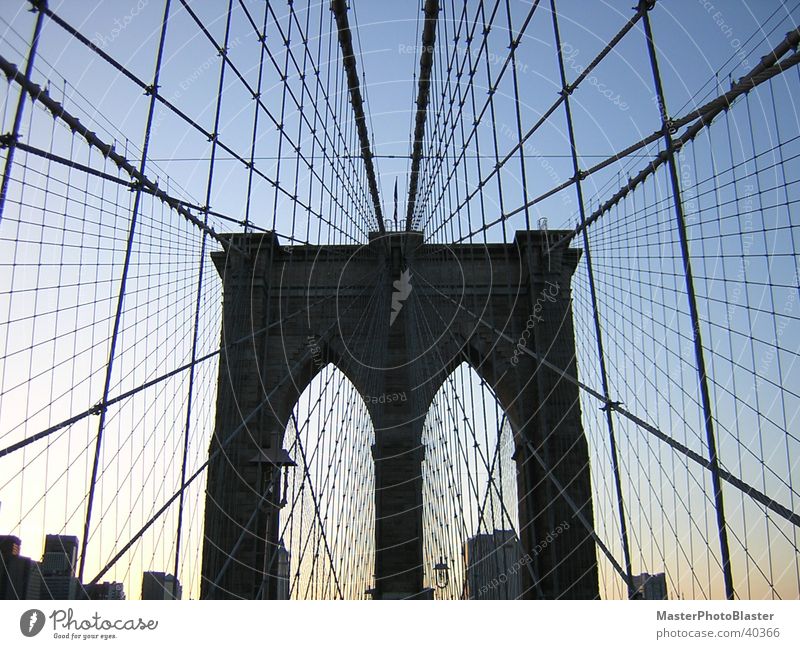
[(59, 562), (108, 590), (19, 576), (60, 555), (493, 565), (10, 546), (647, 586), (282, 572), (159, 585)]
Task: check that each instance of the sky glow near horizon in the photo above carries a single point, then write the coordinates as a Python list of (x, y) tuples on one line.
[(64, 234)]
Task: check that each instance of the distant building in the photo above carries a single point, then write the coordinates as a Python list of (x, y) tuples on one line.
[(59, 562), (282, 572), (19, 576), (159, 585), (10, 546), (60, 555), (646, 586), (108, 590), (493, 566)]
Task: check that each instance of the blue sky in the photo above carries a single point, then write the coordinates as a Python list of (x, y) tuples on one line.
[(701, 45)]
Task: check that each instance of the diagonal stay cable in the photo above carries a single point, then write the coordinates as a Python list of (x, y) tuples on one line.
[(726, 475), (767, 69), (278, 122), (274, 182), (515, 42), (161, 378), (315, 500), (212, 456), (37, 93), (561, 488)]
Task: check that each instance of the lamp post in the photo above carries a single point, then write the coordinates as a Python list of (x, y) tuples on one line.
[(270, 461), (441, 572)]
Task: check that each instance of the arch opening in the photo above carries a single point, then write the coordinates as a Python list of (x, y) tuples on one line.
[(325, 540), (471, 545)]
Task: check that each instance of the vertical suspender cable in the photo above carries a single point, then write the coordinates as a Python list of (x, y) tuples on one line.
[(198, 298), (566, 90), (153, 92), (693, 311)]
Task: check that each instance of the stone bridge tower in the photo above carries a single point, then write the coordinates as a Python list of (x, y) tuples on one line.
[(396, 315)]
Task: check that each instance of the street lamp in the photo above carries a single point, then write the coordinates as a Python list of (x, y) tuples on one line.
[(270, 461), (441, 573)]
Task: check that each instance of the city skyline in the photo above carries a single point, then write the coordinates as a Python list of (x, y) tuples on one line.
[(597, 205)]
